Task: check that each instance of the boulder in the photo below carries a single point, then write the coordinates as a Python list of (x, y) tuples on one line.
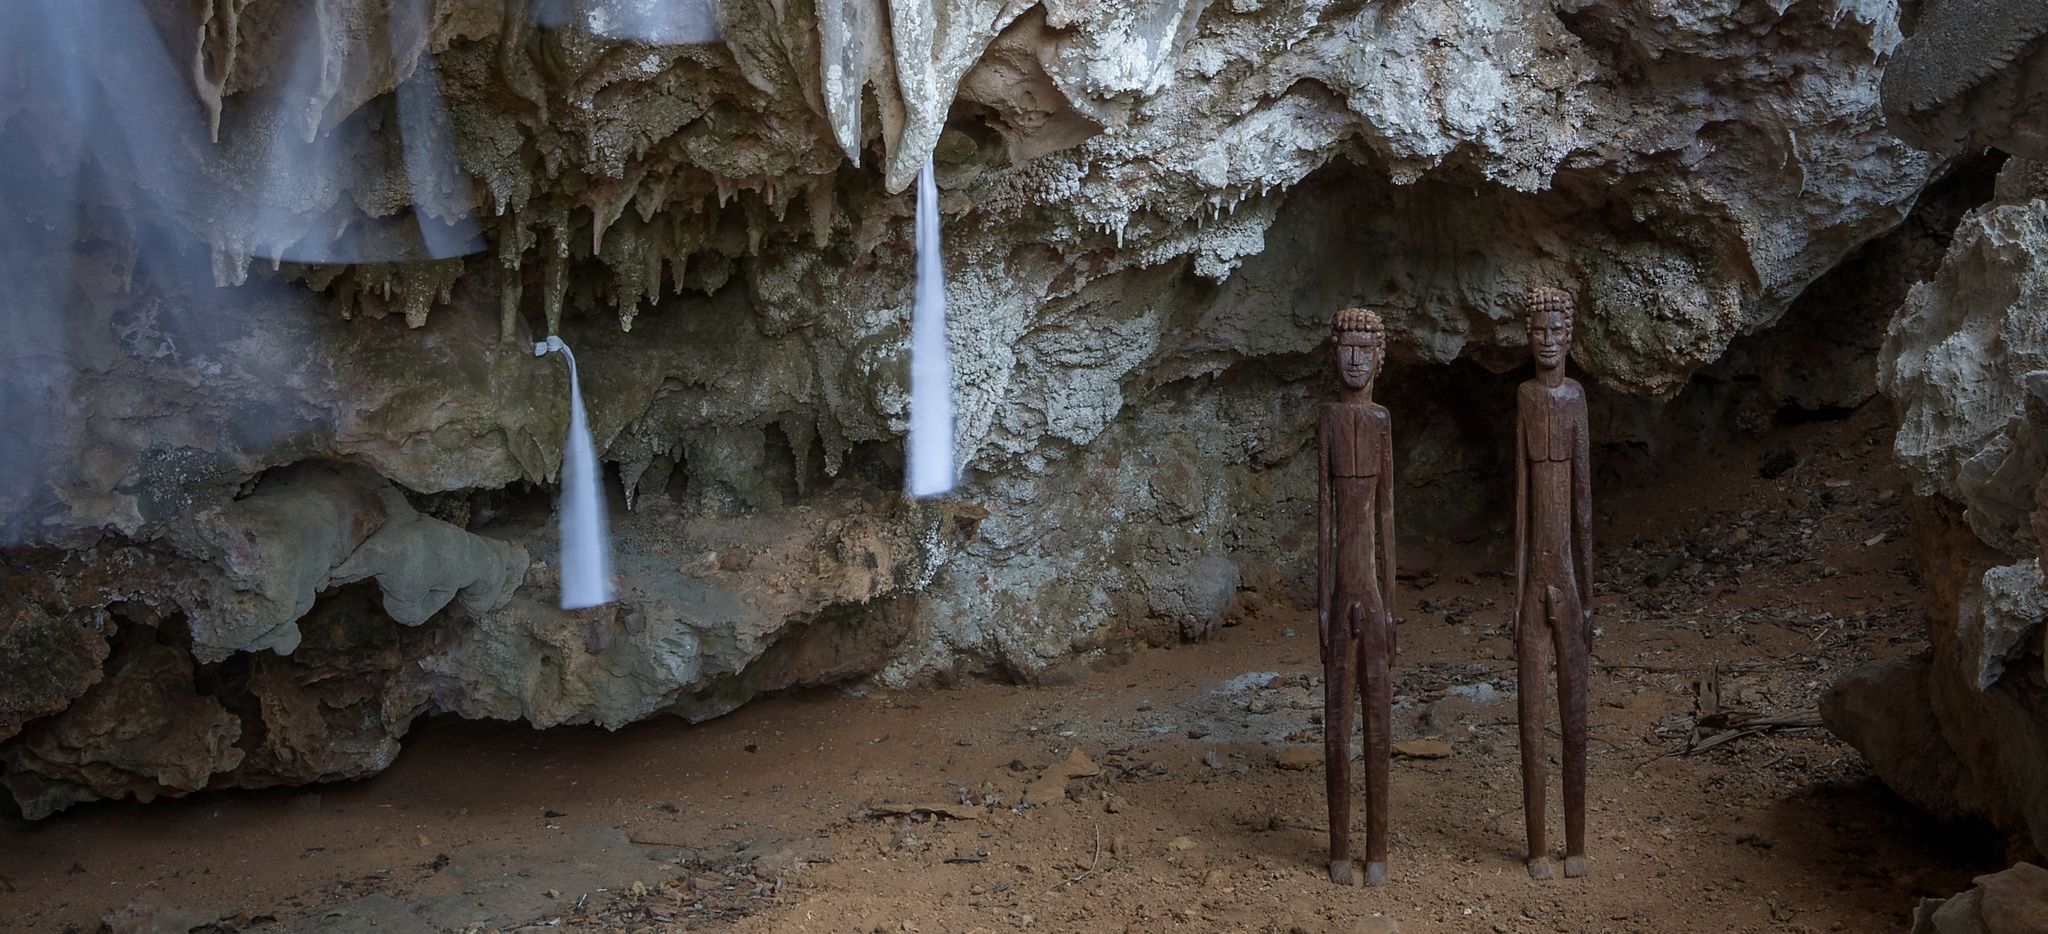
[(1965, 361), (2014, 901)]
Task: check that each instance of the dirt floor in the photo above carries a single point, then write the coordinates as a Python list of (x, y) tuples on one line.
[(1177, 789)]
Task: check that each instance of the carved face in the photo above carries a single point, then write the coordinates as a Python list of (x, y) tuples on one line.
[(1550, 339), (1358, 359)]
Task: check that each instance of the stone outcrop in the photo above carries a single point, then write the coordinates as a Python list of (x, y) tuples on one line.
[(1966, 362), (46, 662), (1149, 211), (142, 731), (1887, 708), (1973, 74), (2014, 901), (310, 528), (1961, 359)]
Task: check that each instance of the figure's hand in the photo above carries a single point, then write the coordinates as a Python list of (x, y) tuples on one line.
[(1586, 627), (1390, 635), (1323, 630)]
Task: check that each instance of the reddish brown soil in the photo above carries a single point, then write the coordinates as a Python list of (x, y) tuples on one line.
[(764, 819)]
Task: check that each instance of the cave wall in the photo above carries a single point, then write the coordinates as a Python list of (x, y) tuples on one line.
[(1966, 364), (1961, 730), (240, 480)]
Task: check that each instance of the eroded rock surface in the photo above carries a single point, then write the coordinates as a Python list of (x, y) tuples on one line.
[(1974, 74), (2008, 902), (140, 732), (1150, 211), (1966, 361), (47, 662)]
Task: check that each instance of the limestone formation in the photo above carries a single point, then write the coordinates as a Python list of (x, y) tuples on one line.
[(311, 528), (1146, 206), (1973, 74), (1961, 358), (2008, 902), (46, 663), (1887, 709), (141, 732), (1966, 361)]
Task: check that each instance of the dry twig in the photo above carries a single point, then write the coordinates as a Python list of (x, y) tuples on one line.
[(1092, 864)]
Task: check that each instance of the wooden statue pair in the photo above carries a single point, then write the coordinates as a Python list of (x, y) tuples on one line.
[(1355, 579)]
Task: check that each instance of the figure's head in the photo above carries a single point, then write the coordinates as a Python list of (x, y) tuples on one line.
[(1360, 339), (1549, 316)]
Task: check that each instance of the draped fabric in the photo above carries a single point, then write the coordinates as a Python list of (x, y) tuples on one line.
[(929, 467), (586, 564)]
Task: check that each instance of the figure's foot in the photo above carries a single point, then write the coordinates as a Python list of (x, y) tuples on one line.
[(1340, 872), (1539, 868), (1574, 867), (1375, 873)]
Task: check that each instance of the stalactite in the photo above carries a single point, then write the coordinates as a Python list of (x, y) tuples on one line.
[(607, 200), (820, 201), (213, 58), (650, 196), (512, 243), (756, 214), (555, 283), (802, 433), (424, 285)]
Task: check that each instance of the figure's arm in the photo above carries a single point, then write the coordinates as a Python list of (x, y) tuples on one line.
[(1323, 582), (1582, 513), (1386, 536), (1521, 513)]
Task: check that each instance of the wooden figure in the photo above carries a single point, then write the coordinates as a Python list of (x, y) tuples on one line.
[(1553, 572), (1355, 586)]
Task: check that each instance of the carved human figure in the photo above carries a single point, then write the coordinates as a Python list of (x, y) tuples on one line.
[(1355, 585), (1553, 572)]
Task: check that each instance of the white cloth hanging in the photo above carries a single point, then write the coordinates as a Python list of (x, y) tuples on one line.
[(929, 466), (586, 564)]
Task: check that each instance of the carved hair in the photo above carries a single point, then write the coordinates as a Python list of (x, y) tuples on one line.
[(1359, 321), (1545, 298)]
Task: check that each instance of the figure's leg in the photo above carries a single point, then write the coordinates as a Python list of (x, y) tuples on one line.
[(1529, 691), (1377, 693), (1572, 673), (1338, 676)]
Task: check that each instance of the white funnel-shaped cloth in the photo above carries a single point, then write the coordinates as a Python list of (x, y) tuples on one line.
[(930, 464), (586, 545)]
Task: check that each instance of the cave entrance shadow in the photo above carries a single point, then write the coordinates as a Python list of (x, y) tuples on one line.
[(1881, 847), (444, 739)]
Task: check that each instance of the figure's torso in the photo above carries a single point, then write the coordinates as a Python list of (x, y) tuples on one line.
[(1356, 437), (1552, 420)]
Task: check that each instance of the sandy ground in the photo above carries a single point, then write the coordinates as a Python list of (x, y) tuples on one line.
[(1171, 789)]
